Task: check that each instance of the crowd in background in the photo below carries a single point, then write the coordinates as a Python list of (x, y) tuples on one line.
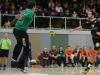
[(68, 8), (58, 8), (80, 56)]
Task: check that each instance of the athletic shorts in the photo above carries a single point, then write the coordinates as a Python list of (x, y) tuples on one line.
[(4, 53)]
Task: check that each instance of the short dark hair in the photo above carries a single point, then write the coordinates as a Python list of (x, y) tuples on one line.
[(31, 4)]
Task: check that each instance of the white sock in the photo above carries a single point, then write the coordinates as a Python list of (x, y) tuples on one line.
[(89, 65)]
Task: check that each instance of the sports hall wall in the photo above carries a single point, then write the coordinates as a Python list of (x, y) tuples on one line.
[(43, 40)]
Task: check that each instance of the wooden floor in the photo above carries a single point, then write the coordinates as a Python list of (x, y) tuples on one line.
[(51, 71)]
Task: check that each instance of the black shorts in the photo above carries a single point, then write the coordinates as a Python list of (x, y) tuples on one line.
[(4, 53)]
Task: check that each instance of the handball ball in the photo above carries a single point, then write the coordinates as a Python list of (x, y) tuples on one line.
[(97, 44)]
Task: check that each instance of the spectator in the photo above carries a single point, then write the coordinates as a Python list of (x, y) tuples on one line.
[(59, 5), (83, 56), (53, 12), (39, 11), (59, 10), (91, 55), (61, 57), (6, 5), (51, 4), (68, 52), (67, 13), (74, 14), (53, 55), (45, 57), (12, 9), (5, 44)]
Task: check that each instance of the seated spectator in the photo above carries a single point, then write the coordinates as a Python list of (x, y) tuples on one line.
[(76, 58), (67, 13), (91, 55), (51, 4), (45, 58), (52, 12), (6, 5), (74, 14), (72, 59), (59, 10), (53, 55), (61, 57), (60, 6), (68, 52), (12, 9), (39, 11), (98, 53), (98, 58), (83, 56)]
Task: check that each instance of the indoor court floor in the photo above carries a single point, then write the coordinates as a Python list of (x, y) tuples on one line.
[(51, 71)]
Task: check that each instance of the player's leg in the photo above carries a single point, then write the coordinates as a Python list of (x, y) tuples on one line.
[(5, 59), (96, 47), (18, 46), (89, 65), (96, 42), (23, 59)]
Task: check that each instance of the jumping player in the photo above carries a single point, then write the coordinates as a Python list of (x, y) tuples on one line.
[(93, 24), (22, 21)]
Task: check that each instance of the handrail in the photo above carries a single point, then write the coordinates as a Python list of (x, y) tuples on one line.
[(50, 20), (45, 16)]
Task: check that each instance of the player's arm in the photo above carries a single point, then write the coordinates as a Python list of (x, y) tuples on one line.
[(13, 22), (24, 14), (77, 29), (18, 16), (98, 27)]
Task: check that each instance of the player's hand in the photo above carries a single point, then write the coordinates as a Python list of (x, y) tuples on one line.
[(18, 16), (98, 33), (73, 30), (79, 28)]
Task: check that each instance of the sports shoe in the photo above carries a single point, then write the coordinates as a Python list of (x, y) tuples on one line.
[(86, 70), (26, 68), (24, 71)]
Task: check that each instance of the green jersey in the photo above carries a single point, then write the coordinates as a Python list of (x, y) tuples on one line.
[(61, 53), (27, 18), (5, 43)]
